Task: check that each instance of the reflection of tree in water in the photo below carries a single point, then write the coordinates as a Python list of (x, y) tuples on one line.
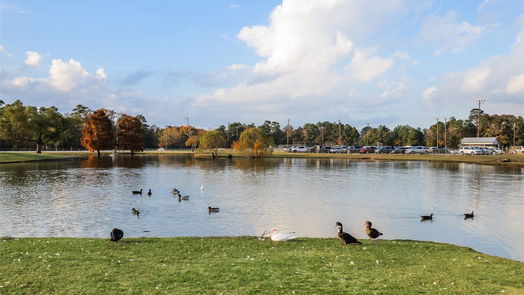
[(256, 165), (94, 162), (454, 167)]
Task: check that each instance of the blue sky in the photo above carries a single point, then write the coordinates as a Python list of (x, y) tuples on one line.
[(380, 62)]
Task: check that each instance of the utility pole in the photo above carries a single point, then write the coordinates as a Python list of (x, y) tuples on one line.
[(514, 134), (437, 133), (287, 133), (339, 133), (445, 136), (479, 101)]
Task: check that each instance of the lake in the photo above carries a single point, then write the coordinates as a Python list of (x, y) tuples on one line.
[(87, 198)]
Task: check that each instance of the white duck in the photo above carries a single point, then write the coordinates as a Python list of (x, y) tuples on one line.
[(281, 237)]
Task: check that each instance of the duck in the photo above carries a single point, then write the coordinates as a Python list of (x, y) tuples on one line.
[(149, 193), (135, 211), (426, 217), (213, 210), (469, 215), (137, 192), (202, 188), (281, 237), (345, 238), (373, 233), (116, 234), (175, 191), (184, 198)]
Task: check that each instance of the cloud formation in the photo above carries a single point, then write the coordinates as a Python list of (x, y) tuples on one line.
[(33, 58), (310, 50)]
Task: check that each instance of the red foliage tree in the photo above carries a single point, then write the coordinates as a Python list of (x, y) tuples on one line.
[(98, 132), (129, 134)]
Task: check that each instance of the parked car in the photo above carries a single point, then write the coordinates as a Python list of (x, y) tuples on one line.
[(384, 149), (519, 151), (417, 150), (367, 149), (399, 150), (335, 150), (469, 150), (353, 149), (496, 151), (300, 149)]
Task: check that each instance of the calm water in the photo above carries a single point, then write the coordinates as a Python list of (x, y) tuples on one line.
[(88, 198)]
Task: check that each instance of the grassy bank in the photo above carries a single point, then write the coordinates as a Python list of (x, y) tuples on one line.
[(247, 265), (32, 156)]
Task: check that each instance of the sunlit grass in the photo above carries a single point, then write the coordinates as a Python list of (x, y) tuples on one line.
[(32, 156), (247, 265)]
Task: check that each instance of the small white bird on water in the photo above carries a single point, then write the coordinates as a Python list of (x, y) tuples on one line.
[(281, 237), (202, 188)]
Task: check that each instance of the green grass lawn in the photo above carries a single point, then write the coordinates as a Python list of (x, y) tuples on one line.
[(32, 156), (248, 265)]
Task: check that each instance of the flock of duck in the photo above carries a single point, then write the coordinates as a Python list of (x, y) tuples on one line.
[(117, 234)]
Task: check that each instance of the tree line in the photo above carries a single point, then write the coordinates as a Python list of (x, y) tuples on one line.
[(45, 128)]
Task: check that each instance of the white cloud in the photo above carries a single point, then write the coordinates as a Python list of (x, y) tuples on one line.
[(365, 69), (233, 6), (33, 58), (515, 84), (309, 55), (448, 33), (4, 51), (100, 73), (498, 79), (65, 76), (428, 92), (401, 54), (475, 79), (484, 3)]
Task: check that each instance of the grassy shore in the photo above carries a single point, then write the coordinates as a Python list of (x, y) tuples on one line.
[(248, 265), (32, 156), (501, 160)]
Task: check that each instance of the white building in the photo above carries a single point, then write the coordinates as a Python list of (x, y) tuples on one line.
[(480, 141)]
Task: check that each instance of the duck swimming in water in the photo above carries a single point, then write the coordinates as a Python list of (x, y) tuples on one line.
[(426, 217), (137, 192), (345, 238), (182, 198), (175, 191), (213, 210), (149, 193), (469, 215), (135, 212)]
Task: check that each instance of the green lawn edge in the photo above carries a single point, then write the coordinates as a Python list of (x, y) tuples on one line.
[(249, 265), (509, 160)]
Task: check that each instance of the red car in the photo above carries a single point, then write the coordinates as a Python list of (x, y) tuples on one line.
[(367, 149)]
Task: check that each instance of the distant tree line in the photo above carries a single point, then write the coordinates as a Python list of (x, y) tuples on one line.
[(24, 127)]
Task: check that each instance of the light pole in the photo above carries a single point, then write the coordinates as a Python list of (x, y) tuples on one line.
[(445, 136), (437, 133), (480, 101), (514, 125)]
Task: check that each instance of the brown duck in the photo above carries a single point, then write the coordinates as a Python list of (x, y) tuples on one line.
[(345, 238), (373, 233), (149, 193)]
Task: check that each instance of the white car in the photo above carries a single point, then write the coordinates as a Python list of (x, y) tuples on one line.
[(300, 149), (470, 150), (519, 151), (417, 150)]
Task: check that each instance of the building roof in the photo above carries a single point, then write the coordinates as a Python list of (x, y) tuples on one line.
[(480, 140)]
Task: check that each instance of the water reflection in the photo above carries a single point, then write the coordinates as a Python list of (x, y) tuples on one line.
[(302, 195)]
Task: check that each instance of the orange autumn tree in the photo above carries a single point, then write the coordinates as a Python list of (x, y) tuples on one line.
[(98, 132), (129, 134), (253, 142)]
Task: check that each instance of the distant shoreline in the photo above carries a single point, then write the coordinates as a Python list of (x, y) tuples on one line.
[(508, 160)]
